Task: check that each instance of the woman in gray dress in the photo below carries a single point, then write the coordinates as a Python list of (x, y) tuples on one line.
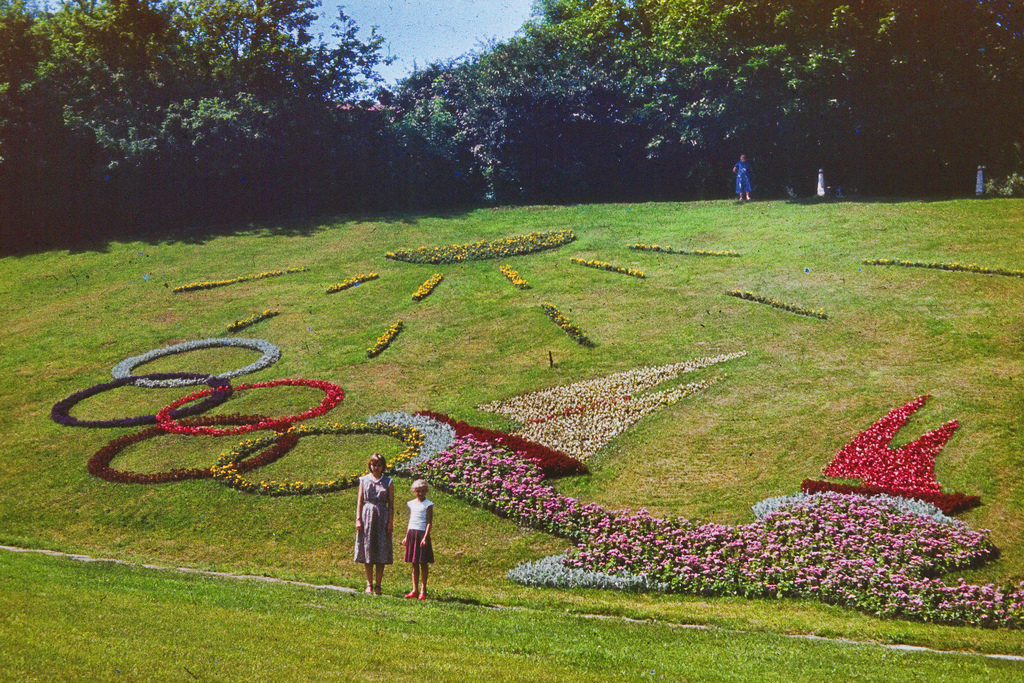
[(375, 522)]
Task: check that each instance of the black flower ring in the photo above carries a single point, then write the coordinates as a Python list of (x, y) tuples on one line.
[(61, 411)]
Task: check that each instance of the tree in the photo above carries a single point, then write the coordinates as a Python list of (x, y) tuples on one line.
[(142, 114), (842, 83)]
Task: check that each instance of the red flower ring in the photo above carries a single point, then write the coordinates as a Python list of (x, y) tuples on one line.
[(334, 396), (99, 464)]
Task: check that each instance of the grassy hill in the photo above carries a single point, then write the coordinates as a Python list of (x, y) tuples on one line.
[(772, 419)]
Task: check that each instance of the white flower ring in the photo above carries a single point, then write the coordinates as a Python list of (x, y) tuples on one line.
[(437, 436), (271, 353)]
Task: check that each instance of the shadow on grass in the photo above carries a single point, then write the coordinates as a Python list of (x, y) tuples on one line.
[(92, 237), (82, 238)]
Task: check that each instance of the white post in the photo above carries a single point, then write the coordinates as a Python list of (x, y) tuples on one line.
[(979, 188), (821, 182)]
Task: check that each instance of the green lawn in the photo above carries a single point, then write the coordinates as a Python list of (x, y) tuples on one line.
[(65, 620), (774, 418)]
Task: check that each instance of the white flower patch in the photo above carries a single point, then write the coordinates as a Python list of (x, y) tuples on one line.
[(271, 353), (579, 419), (437, 435), (582, 434), (540, 404), (549, 572), (913, 506)]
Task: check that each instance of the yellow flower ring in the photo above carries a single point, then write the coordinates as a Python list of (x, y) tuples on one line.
[(99, 464), (334, 396), (229, 466)]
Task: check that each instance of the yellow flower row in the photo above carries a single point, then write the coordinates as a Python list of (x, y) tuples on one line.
[(226, 469), (956, 266), (252, 320), (602, 265), (513, 277), (775, 303), (384, 341), (427, 287), (568, 327), (240, 278), (482, 250), (684, 252), (352, 282)]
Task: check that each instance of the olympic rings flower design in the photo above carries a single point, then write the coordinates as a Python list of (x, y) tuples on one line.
[(220, 392), (271, 353), (99, 464), (334, 396), (228, 467)]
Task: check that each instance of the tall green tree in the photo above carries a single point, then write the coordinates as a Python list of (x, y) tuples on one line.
[(151, 113), (840, 83)]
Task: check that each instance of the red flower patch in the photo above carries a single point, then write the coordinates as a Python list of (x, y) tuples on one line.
[(553, 463), (907, 471)]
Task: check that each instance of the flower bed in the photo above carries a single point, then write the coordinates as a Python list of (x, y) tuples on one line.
[(333, 395), (239, 325), (775, 303), (580, 418), (684, 252), (551, 572), (384, 341), (839, 549), (61, 411), (949, 503), (99, 464), (228, 468), (845, 550), (955, 266), (575, 333), (603, 265), (582, 431), (513, 277), (353, 281), (487, 475), (271, 354), (763, 508), (482, 250), (241, 278), (427, 287), (907, 471), (552, 463), (437, 436)]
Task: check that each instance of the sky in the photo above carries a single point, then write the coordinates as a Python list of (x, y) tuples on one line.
[(418, 32)]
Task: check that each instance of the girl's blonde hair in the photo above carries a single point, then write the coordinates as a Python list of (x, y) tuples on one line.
[(419, 484)]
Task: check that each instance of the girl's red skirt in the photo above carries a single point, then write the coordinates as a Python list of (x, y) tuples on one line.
[(416, 553)]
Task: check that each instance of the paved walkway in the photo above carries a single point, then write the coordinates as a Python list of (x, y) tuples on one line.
[(342, 589)]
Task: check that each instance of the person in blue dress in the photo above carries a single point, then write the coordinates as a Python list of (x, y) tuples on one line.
[(742, 177)]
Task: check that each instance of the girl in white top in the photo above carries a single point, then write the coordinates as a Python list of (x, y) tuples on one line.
[(418, 550)]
